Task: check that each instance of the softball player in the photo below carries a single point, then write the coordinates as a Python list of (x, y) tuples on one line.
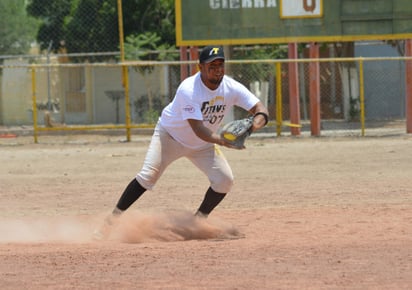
[(188, 128)]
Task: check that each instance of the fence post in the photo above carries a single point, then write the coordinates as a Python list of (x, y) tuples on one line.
[(362, 96), (34, 102), (183, 67), (294, 88), (193, 56), (314, 90), (408, 81), (279, 116), (125, 73)]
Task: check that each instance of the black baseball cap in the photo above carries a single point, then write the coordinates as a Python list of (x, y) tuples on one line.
[(211, 53)]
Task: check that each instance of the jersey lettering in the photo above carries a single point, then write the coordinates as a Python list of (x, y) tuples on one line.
[(212, 112)]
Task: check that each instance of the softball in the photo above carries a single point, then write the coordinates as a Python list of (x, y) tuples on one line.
[(229, 136)]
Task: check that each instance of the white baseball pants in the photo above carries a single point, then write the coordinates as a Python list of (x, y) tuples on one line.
[(163, 150)]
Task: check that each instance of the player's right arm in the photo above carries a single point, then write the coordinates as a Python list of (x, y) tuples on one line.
[(204, 133)]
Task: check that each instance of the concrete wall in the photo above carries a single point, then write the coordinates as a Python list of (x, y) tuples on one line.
[(16, 91), (53, 84), (16, 94)]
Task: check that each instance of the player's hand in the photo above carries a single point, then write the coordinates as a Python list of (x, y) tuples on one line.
[(230, 145)]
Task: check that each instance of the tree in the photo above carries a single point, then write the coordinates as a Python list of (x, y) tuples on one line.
[(260, 71), (92, 25), (156, 16), (52, 14), (17, 31)]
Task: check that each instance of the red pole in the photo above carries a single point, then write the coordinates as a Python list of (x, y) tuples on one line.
[(314, 90), (183, 67), (294, 88), (194, 55), (408, 77)]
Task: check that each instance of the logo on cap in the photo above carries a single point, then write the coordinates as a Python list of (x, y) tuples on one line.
[(214, 50), (210, 53)]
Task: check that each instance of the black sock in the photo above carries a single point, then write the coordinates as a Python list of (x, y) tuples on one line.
[(132, 192), (210, 201)]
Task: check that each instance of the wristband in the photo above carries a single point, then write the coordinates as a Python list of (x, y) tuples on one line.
[(264, 115)]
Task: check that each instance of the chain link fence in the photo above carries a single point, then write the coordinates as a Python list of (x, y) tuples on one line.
[(80, 31), (70, 95), (340, 94), (61, 70), (75, 31)]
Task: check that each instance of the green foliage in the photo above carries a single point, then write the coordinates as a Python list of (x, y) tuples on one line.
[(137, 47), (274, 51), (52, 14), (17, 30), (258, 71), (92, 25), (148, 109), (147, 46), (151, 116), (156, 16)]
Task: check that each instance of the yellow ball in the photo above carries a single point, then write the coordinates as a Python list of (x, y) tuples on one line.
[(229, 136)]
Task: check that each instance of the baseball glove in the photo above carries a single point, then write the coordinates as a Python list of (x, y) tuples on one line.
[(237, 131)]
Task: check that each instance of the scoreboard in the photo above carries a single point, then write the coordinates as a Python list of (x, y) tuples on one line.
[(231, 22)]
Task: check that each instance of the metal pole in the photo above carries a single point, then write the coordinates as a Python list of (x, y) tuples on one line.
[(408, 81), (34, 103), (125, 74), (362, 96), (49, 105), (314, 90), (183, 67), (279, 117), (294, 89), (193, 51)]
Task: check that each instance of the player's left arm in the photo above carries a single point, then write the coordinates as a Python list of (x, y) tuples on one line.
[(261, 116)]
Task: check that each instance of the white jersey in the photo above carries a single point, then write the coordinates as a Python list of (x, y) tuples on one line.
[(193, 100)]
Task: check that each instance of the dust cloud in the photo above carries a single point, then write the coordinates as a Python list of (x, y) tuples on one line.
[(132, 227)]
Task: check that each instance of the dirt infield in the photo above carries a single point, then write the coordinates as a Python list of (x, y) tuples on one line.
[(304, 213)]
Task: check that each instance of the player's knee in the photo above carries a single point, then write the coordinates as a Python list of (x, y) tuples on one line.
[(147, 179), (223, 183)]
